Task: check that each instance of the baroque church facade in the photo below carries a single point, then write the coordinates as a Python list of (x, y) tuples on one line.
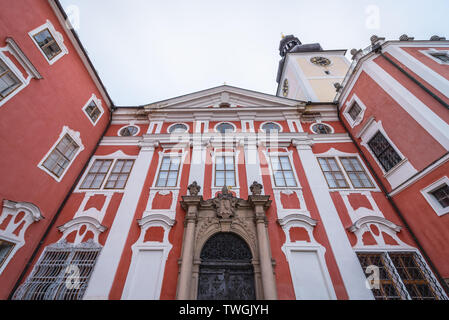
[(334, 187)]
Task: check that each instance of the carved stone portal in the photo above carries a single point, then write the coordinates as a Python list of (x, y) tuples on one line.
[(208, 223)]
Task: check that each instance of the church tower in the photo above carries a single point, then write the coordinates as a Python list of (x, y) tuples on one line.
[(307, 72)]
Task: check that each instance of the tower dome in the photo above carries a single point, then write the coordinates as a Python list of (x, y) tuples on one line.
[(287, 43)]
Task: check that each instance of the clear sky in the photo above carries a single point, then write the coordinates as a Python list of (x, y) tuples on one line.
[(148, 50)]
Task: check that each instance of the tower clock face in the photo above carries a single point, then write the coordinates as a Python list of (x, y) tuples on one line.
[(320, 61), (285, 88)]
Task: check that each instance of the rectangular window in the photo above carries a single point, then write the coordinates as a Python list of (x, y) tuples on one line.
[(354, 111), (60, 157), (384, 152), (5, 249), (8, 81), (282, 171), (224, 171), (119, 175), (50, 277), (47, 43), (332, 173), (400, 276), (442, 195), (356, 173), (168, 173), (96, 175), (93, 111)]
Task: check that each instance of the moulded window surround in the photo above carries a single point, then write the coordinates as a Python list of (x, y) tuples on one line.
[(270, 126), (128, 131), (439, 56), (169, 169), (49, 42), (62, 154), (225, 127), (93, 109), (354, 118), (321, 128), (384, 151), (178, 128), (436, 195), (107, 174), (11, 79), (99, 170)]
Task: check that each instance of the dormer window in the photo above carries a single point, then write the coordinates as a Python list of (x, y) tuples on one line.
[(443, 56)]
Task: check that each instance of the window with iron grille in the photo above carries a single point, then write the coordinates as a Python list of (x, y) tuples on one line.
[(356, 173), (96, 175), (402, 275), (354, 111), (60, 274), (93, 111), (332, 173), (442, 195), (60, 157), (168, 172), (5, 250), (224, 171), (47, 43), (8, 81), (119, 174), (282, 171), (384, 152)]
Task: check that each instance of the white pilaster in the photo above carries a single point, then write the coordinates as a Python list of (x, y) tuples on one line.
[(198, 163), (106, 267), (349, 266)]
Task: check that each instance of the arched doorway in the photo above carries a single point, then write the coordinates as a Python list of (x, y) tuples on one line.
[(226, 272)]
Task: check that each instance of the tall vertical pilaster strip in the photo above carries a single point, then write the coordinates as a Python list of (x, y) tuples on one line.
[(198, 163), (252, 162), (348, 264), (106, 267)]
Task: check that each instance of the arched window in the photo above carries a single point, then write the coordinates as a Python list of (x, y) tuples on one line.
[(225, 128), (270, 127), (129, 131), (178, 128), (321, 128)]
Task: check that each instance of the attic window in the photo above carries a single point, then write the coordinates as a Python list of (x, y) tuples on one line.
[(224, 105)]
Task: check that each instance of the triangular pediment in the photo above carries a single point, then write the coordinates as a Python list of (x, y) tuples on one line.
[(214, 97)]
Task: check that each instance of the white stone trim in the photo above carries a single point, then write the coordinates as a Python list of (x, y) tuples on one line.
[(155, 126), (292, 127), (402, 170), (250, 124), (349, 104), (12, 208), (129, 125), (235, 154), (75, 135), (117, 155), (184, 123), (319, 122), (75, 224), (56, 35), (11, 66), (221, 122), (429, 52), (281, 129), (356, 214), (426, 192), (98, 104)]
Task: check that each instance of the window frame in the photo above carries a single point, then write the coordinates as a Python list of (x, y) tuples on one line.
[(390, 145), (126, 126), (278, 156), (102, 189), (176, 123), (95, 174), (9, 254), (348, 106), (321, 123), (97, 103), (348, 186), (432, 52), (430, 198), (169, 155), (57, 36), (225, 122), (111, 172), (267, 122), (75, 136), (356, 172), (18, 84), (225, 155)]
